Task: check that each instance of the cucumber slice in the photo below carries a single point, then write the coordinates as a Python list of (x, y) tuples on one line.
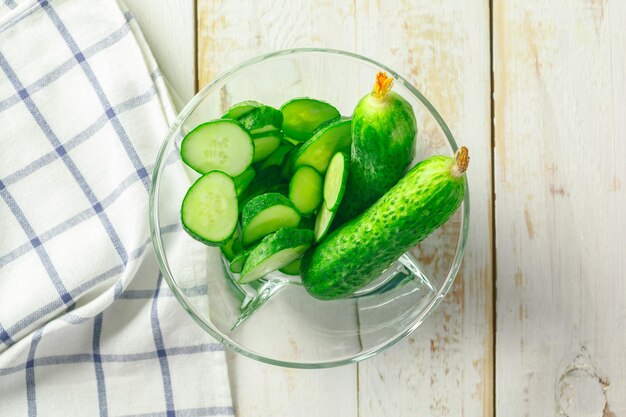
[(263, 119), (233, 246), (240, 109), (209, 211), (277, 158), (305, 189), (322, 222), (221, 145), (243, 181), (237, 263), (276, 251), (303, 115), (335, 181), (327, 141), (265, 144), (266, 214), (293, 268)]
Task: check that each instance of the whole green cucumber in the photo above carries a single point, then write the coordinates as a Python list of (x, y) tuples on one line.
[(383, 137), (358, 252)]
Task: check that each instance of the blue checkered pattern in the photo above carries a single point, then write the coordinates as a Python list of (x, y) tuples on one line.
[(86, 325)]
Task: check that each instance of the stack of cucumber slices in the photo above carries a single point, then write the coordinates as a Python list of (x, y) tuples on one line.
[(272, 180)]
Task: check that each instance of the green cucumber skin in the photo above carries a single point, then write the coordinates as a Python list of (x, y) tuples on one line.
[(383, 136), (355, 254), (258, 117), (262, 202), (284, 238)]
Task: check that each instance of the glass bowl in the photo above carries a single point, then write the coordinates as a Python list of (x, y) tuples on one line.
[(274, 320)]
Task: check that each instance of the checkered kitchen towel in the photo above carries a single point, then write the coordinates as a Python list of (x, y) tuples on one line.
[(87, 327)]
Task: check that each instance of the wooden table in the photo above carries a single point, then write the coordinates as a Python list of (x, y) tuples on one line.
[(537, 90)]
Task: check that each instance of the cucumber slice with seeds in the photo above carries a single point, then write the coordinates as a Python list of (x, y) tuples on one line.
[(293, 268), (327, 141), (322, 222), (221, 145), (240, 109), (263, 119), (243, 181), (305, 189), (335, 181), (209, 211), (274, 252), (303, 115), (266, 214), (265, 144)]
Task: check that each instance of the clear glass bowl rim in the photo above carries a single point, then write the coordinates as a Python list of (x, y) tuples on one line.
[(158, 244)]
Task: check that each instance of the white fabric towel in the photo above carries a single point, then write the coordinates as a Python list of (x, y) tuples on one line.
[(87, 325)]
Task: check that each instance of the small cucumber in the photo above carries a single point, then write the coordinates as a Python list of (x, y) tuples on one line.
[(240, 109), (327, 141), (266, 214), (221, 145), (305, 189), (265, 144), (274, 252), (209, 211), (383, 137), (262, 119), (243, 181), (335, 181), (322, 222), (303, 115), (293, 268), (277, 158), (359, 251)]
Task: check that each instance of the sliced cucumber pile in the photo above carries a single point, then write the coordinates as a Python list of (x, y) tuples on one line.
[(277, 162)]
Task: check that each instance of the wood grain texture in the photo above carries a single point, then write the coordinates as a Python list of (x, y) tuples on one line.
[(560, 160), (169, 27), (445, 368)]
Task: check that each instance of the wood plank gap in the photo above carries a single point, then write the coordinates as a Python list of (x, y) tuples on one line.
[(494, 257)]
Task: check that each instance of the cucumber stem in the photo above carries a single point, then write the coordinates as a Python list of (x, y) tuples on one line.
[(461, 162), (382, 85)]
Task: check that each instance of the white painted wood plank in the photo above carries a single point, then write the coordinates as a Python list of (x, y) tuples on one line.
[(169, 29), (445, 368), (560, 83), (229, 33)]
